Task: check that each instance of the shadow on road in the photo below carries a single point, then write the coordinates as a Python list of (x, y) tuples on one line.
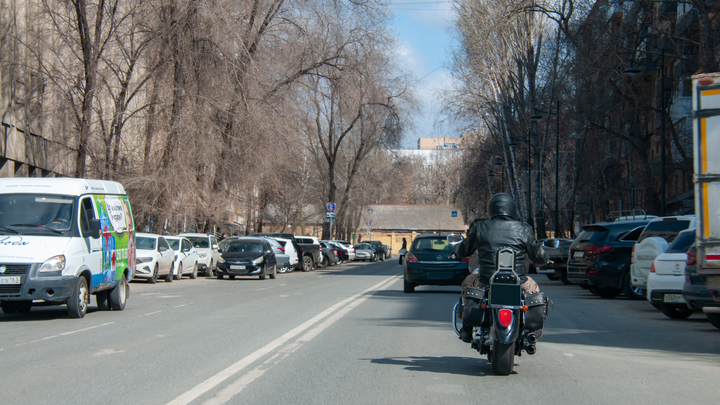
[(448, 365)]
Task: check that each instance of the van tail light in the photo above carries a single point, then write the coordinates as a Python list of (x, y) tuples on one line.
[(410, 258), (691, 258), (597, 249), (632, 255), (652, 268), (505, 317), (465, 260)]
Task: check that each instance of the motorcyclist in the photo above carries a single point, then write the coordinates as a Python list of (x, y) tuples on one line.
[(502, 229)]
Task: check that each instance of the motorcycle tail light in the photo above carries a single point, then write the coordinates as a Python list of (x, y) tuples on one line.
[(652, 268), (410, 258), (505, 317), (691, 258)]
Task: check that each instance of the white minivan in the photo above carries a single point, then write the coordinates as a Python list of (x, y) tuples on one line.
[(63, 239)]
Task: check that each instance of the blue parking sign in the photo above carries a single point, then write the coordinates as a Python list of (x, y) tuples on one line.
[(454, 214)]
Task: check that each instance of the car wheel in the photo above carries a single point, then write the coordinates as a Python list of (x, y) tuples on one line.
[(178, 276), (153, 279), (8, 307), (23, 307), (77, 304), (231, 277), (118, 295), (605, 292), (169, 277), (193, 275), (263, 272), (676, 311), (274, 272), (102, 300), (208, 271), (219, 276), (307, 263), (714, 319), (408, 287), (632, 292), (564, 278)]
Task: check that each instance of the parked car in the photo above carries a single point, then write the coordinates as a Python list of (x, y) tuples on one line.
[(307, 247), (667, 277), (364, 251), (600, 258), (153, 257), (246, 257), (655, 239), (378, 250), (388, 251), (186, 257), (340, 251), (207, 250), (556, 269), (695, 291), (349, 247), (293, 254), (282, 259), (329, 255), (430, 261)]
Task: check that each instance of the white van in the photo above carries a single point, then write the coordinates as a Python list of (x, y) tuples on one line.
[(63, 239)]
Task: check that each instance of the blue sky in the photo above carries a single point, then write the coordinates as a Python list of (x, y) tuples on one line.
[(424, 40)]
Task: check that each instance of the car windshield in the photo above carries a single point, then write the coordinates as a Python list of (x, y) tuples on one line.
[(682, 242), (199, 242), (35, 214), (145, 243), (667, 229), (432, 245), (174, 243), (242, 247), (361, 246)]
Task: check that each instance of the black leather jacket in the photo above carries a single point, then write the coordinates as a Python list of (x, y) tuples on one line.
[(489, 235)]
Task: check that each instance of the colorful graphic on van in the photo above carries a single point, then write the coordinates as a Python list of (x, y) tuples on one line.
[(118, 236)]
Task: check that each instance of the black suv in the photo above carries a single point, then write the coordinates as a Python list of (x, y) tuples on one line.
[(600, 257)]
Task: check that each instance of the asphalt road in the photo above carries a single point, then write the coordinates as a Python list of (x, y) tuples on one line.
[(345, 335)]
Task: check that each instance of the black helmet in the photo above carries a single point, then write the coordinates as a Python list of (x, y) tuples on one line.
[(502, 204)]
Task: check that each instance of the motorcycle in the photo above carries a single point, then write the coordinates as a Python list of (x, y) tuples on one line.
[(505, 321)]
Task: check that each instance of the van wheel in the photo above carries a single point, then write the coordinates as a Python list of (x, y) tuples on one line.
[(178, 276), (154, 278), (118, 295), (274, 272), (77, 305), (101, 298), (169, 277), (193, 275)]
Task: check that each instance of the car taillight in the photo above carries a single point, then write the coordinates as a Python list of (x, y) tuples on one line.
[(691, 257), (652, 268), (333, 252), (505, 317), (410, 258), (597, 249), (282, 249), (465, 260), (632, 255)]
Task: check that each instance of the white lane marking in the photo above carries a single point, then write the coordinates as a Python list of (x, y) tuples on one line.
[(108, 351), (64, 334), (152, 313), (180, 306), (170, 296), (227, 393), (233, 369)]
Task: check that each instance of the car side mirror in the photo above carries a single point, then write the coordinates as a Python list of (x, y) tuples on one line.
[(95, 228), (454, 238), (162, 248), (551, 243), (215, 247)]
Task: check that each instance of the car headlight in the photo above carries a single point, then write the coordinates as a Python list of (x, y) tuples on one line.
[(221, 260), (140, 260), (53, 264), (259, 260)]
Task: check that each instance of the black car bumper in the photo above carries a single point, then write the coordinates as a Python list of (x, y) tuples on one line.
[(421, 275), (239, 269), (698, 296)]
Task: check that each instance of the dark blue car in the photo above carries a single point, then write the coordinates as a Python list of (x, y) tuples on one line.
[(430, 261)]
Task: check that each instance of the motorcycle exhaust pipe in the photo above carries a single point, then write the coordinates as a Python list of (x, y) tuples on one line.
[(531, 338), (530, 349)]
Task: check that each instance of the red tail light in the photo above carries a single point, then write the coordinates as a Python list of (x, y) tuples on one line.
[(632, 255), (410, 258), (333, 252), (282, 249), (505, 317), (597, 249), (691, 257), (465, 260), (652, 268)]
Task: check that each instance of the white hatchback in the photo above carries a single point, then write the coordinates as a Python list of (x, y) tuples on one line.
[(667, 278), (186, 257), (207, 249), (153, 257)]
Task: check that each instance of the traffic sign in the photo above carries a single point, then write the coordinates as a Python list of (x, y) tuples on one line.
[(330, 206), (370, 211), (454, 214), (368, 223), (330, 214)]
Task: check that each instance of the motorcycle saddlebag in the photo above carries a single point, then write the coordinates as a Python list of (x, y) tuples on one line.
[(472, 313), (537, 310)]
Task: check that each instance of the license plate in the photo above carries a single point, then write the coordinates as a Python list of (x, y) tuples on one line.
[(234, 267), (9, 280), (674, 298), (578, 255)]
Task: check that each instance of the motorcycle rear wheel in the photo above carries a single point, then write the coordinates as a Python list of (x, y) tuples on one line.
[(502, 358)]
